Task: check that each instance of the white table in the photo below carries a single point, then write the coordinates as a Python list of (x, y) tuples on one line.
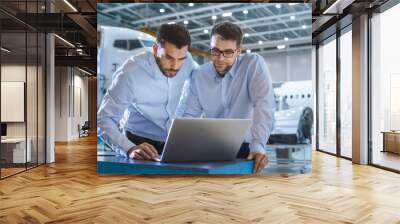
[(18, 149)]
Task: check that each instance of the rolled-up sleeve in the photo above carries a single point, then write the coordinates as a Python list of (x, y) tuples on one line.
[(262, 97), (117, 99)]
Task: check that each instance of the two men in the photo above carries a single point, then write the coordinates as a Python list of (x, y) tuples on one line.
[(150, 87)]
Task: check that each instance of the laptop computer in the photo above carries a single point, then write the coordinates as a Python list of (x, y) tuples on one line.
[(204, 139)]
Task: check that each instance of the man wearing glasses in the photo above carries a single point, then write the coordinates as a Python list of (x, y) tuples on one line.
[(235, 86)]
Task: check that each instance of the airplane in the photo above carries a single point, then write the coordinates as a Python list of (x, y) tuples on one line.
[(294, 103), (294, 94), (115, 45)]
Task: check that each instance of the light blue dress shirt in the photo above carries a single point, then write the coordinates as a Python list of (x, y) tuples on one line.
[(141, 100), (244, 92)]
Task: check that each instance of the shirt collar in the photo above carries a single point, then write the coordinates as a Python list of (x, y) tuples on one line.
[(156, 72), (231, 72)]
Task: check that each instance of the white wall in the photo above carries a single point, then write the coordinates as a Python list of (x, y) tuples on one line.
[(70, 84), (33, 127), (17, 73), (289, 66)]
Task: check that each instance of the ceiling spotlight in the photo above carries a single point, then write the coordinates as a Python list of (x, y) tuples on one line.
[(191, 4), (303, 26), (286, 39), (226, 14), (245, 11), (246, 35), (162, 10), (185, 22), (205, 31), (280, 47), (260, 42), (248, 51), (214, 17), (292, 17), (278, 6)]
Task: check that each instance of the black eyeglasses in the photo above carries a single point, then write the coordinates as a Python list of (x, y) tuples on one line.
[(227, 53)]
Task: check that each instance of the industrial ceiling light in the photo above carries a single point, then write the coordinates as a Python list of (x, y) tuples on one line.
[(162, 10), (185, 22), (286, 39), (205, 31), (226, 14), (278, 6), (292, 17), (214, 17), (191, 4), (246, 35), (245, 11), (280, 47), (5, 50), (70, 5), (248, 51), (260, 42), (304, 26), (65, 41)]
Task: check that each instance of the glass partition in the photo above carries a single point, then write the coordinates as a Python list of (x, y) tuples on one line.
[(327, 95)]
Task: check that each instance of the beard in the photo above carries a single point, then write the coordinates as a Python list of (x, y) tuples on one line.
[(222, 73), (169, 73)]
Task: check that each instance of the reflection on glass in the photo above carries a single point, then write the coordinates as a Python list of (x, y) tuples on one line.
[(386, 89), (346, 94), (22, 90), (327, 97), (13, 86)]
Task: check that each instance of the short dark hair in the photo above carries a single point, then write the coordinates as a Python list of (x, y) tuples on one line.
[(228, 31), (174, 34)]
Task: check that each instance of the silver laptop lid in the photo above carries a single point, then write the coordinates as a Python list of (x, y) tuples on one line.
[(204, 139)]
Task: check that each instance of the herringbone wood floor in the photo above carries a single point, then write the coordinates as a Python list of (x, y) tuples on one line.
[(70, 191)]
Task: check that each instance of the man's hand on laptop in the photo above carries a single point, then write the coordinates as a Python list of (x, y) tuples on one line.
[(260, 161), (144, 151)]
